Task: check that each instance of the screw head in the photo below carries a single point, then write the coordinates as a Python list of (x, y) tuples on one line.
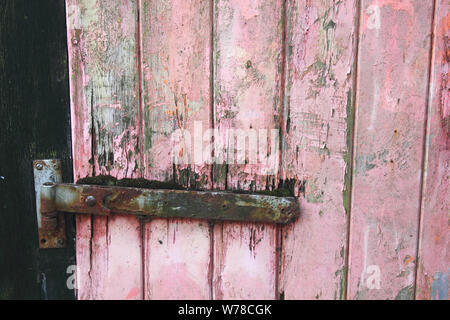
[(90, 201), (39, 166)]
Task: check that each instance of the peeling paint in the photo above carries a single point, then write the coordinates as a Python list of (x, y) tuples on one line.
[(406, 293)]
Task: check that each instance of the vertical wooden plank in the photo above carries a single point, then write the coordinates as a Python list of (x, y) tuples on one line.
[(318, 115), (248, 40), (389, 135), (176, 50), (434, 257), (105, 129)]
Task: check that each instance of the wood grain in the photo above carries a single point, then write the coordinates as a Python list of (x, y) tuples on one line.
[(318, 117), (176, 55), (390, 117), (102, 43), (248, 40), (434, 257)]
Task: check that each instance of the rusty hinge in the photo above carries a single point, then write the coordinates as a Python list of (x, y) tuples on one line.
[(51, 225), (56, 197)]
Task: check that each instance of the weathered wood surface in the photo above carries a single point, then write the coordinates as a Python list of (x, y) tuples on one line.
[(434, 257), (318, 116), (176, 51), (393, 64), (345, 83), (103, 62), (247, 77)]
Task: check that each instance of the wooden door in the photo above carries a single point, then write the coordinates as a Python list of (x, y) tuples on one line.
[(357, 94)]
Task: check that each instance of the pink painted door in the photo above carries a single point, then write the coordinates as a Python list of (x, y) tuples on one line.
[(346, 104)]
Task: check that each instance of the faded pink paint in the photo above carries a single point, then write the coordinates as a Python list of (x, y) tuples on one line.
[(247, 74), (80, 112), (116, 262), (176, 48), (395, 5), (100, 56), (389, 135), (245, 261), (320, 74), (136, 82), (176, 260), (81, 140), (434, 255), (248, 47), (175, 67)]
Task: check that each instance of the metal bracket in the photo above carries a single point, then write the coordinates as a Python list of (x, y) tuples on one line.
[(58, 197), (51, 224)]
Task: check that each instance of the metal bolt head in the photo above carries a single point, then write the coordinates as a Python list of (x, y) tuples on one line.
[(39, 166), (90, 201)]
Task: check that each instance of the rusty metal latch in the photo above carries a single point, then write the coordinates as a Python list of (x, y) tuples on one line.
[(56, 198), (51, 225)]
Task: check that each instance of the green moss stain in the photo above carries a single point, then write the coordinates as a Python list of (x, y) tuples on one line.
[(330, 25), (342, 274), (347, 184), (347, 154), (329, 53), (291, 12), (314, 194), (324, 151), (407, 293), (148, 132)]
